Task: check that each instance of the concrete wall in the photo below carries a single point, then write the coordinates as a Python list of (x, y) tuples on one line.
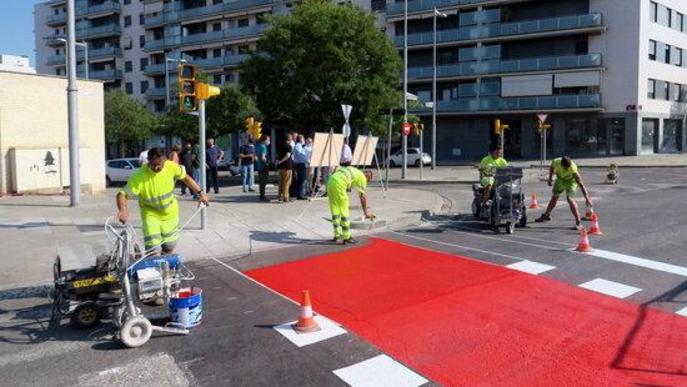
[(33, 116)]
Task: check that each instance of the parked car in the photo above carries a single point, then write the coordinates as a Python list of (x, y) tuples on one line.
[(413, 157), (229, 165), (119, 170)]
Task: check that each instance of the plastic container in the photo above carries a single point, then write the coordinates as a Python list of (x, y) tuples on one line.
[(156, 261), (186, 307)]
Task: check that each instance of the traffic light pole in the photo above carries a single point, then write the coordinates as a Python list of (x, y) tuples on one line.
[(72, 109), (203, 171)]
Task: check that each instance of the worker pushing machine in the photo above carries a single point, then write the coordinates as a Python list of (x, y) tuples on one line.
[(487, 168), (338, 185), (567, 180), (154, 184)]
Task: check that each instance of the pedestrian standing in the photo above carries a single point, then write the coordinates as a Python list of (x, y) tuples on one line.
[(213, 154), (186, 162), (309, 171), (301, 160), (285, 164), (293, 139), (262, 164), (247, 160)]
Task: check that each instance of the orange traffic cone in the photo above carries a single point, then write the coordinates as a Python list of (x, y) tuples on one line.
[(588, 214), (595, 229), (534, 205), (306, 323), (583, 246)]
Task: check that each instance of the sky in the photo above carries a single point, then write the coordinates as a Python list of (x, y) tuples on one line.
[(16, 28)]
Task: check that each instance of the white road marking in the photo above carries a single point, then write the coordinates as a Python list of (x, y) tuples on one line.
[(610, 288), (531, 267), (682, 312), (329, 330), (379, 371), (457, 246)]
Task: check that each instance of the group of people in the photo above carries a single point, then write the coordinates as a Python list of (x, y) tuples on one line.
[(293, 163), (568, 179)]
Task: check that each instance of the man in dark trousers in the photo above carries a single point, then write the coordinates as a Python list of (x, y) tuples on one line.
[(213, 154)]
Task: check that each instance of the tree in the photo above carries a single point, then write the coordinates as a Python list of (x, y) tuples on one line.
[(226, 112), (177, 124), (127, 122), (317, 58)]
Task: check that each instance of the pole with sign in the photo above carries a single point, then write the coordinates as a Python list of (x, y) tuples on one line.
[(346, 130), (542, 126)]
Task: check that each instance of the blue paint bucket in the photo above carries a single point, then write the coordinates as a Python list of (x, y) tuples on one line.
[(186, 307)]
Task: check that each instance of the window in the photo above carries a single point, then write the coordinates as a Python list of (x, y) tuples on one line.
[(127, 21), (141, 19), (663, 15), (243, 50), (243, 23), (677, 57), (129, 87), (142, 41), (127, 2), (144, 86), (128, 66), (379, 5), (260, 18), (57, 32), (216, 53), (57, 51), (666, 91), (651, 91), (652, 50), (677, 21), (217, 79), (677, 91), (667, 54), (654, 12), (581, 47), (57, 71), (144, 63), (217, 27), (215, 2)]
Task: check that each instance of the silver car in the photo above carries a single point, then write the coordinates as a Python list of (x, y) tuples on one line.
[(413, 158), (119, 170)]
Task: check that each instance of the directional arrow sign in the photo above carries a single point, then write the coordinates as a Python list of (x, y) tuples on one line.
[(542, 117), (347, 113)]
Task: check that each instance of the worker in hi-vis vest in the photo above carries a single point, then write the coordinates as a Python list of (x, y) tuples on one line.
[(338, 185), (153, 184)]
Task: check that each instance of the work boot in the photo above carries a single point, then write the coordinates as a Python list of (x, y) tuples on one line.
[(543, 218), (350, 241)]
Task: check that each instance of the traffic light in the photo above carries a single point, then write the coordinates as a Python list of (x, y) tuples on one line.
[(418, 127), (257, 130), (542, 126), (188, 101), (205, 91), (249, 123), (499, 127)]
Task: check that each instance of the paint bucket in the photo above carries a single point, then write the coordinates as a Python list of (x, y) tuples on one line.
[(186, 307)]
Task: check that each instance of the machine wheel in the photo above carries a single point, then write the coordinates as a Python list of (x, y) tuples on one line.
[(86, 315), (475, 207), (510, 227), (136, 331), (120, 315)]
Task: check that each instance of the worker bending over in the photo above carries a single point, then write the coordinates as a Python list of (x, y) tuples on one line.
[(153, 183), (338, 185), (567, 180)]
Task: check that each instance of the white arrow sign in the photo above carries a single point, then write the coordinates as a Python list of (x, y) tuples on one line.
[(542, 117), (347, 113)]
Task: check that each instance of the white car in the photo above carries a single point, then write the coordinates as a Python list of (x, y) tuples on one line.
[(119, 170), (413, 158)]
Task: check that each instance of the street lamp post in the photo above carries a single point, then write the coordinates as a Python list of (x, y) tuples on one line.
[(85, 56), (404, 138), (168, 59), (434, 88), (72, 108)]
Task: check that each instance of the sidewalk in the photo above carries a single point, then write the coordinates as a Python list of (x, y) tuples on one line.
[(34, 229), (468, 173)]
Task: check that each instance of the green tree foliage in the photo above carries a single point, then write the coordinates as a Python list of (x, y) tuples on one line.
[(320, 56), (226, 112), (127, 122)]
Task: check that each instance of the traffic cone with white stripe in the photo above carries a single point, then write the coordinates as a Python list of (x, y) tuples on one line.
[(595, 229), (306, 323), (534, 205), (583, 246)]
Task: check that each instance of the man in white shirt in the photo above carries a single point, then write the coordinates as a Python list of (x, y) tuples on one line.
[(346, 154)]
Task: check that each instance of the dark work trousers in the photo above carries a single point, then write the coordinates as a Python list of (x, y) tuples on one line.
[(212, 178), (301, 171), (293, 190), (263, 174)]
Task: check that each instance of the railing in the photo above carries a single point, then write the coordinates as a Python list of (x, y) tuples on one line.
[(156, 68), (207, 37), (203, 37), (60, 18), (90, 32), (104, 52), (505, 29), (156, 92), (233, 60), (548, 102), (154, 19), (172, 12), (208, 62), (104, 7), (507, 66), (421, 5), (107, 75)]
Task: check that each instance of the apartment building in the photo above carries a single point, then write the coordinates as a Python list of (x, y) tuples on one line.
[(610, 74)]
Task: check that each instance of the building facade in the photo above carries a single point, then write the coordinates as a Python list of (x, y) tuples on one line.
[(16, 63), (610, 74)]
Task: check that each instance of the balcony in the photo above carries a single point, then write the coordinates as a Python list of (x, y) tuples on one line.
[(101, 31), (542, 103), (507, 66), (207, 37), (172, 12), (153, 69), (428, 5), (234, 60), (156, 93), (106, 75), (60, 18), (104, 8), (492, 31)]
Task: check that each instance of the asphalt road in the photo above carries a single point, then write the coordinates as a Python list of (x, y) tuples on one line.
[(642, 218)]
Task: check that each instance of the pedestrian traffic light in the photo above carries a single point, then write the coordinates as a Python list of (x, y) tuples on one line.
[(188, 101), (418, 127)]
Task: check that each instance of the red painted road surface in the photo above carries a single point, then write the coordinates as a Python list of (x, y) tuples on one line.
[(459, 321)]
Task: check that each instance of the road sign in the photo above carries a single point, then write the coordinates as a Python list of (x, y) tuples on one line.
[(405, 128), (346, 129), (542, 117)]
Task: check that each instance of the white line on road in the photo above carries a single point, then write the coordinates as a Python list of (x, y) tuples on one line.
[(530, 267), (610, 288), (642, 262), (458, 246)]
